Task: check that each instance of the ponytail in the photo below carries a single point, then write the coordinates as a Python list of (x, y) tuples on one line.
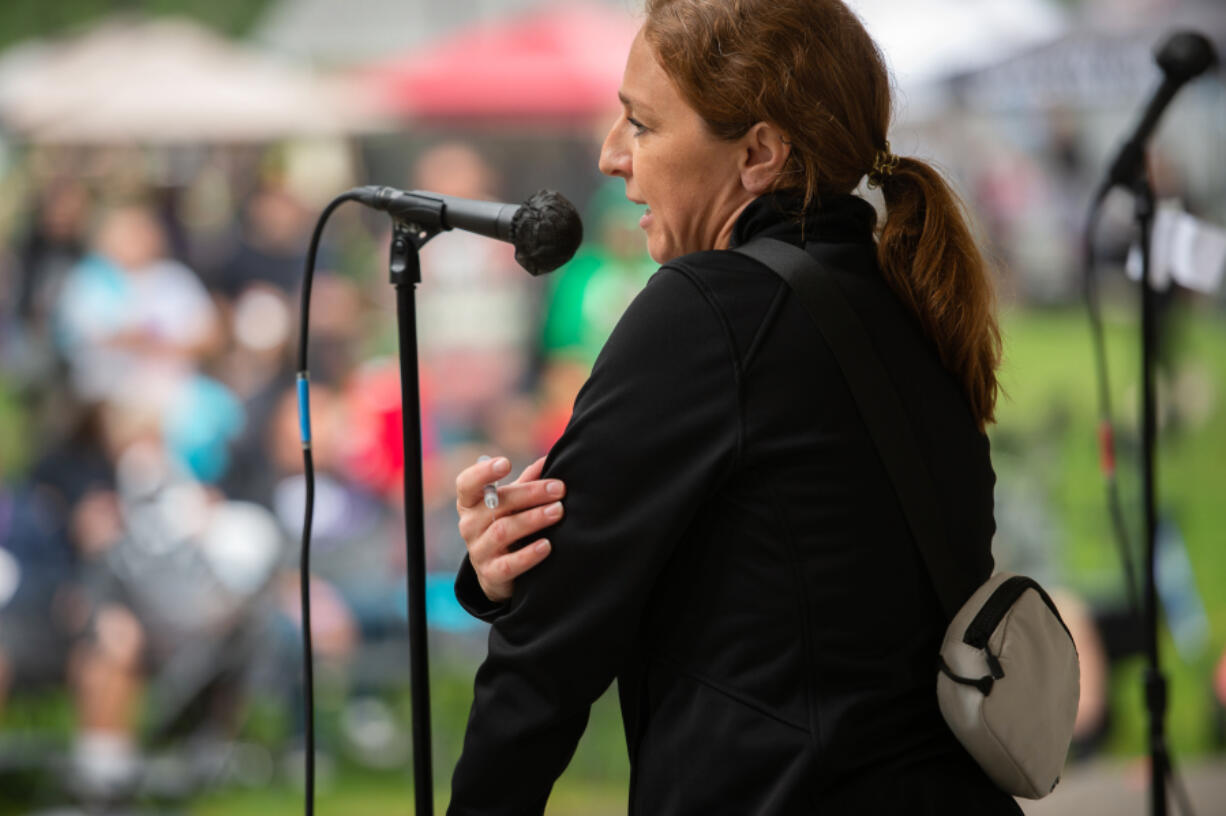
[(931, 261)]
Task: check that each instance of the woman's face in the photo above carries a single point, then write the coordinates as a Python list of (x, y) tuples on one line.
[(689, 180)]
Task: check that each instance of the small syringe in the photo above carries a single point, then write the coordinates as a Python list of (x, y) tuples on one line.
[(490, 490)]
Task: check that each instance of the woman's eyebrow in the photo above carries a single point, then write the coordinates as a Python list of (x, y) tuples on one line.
[(630, 103)]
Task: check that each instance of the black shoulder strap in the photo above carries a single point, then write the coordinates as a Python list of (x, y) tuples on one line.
[(879, 405)]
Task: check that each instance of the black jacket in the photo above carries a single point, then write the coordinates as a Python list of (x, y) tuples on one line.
[(734, 555)]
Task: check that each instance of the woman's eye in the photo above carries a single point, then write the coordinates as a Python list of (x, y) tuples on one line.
[(638, 126)]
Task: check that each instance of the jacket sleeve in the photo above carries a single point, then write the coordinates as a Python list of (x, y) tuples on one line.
[(654, 431)]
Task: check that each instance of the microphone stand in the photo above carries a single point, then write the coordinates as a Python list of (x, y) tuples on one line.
[(546, 231), (1155, 682), (404, 270), (1130, 172)]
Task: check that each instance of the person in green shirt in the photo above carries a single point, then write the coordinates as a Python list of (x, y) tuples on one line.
[(585, 302), (593, 290)]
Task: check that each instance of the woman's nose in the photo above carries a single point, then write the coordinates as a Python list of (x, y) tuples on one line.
[(614, 158)]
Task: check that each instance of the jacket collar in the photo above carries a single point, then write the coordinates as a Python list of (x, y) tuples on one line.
[(842, 219)]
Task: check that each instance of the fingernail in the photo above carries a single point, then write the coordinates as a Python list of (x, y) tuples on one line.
[(554, 510), (502, 464), (554, 488), (541, 546)]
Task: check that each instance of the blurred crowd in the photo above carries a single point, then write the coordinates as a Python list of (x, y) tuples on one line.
[(152, 496)]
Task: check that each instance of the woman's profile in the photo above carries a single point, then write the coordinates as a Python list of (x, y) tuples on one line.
[(715, 530)]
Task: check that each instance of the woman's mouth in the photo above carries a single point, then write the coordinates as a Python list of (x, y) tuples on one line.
[(646, 219)]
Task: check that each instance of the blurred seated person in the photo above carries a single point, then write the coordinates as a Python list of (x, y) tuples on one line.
[(131, 320), (355, 538), (475, 305), (53, 244), (127, 307), (56, 518), (160, 580), (271, 246)]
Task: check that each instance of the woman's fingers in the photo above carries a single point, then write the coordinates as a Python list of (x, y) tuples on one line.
[(525, 492), (521, 495), (503, 571), (508, 529), (512, 498), (470, 484)]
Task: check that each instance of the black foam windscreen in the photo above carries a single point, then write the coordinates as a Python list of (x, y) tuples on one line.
[(1185, 55), (546, 231)]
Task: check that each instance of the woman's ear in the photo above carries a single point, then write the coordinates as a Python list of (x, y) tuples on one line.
[(765, 152)]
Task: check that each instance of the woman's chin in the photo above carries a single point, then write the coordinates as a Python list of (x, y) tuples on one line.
[(660, 254)]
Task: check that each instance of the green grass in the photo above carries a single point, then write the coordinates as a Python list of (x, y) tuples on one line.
[(360, 794)]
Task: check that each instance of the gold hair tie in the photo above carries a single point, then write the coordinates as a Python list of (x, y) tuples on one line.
[(884, 164)]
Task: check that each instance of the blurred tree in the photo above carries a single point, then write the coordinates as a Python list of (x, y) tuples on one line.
[(23, 19)]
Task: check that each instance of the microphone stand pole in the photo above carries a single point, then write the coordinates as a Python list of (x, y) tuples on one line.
[(1130, 171), (1155, 682), (404, 269)]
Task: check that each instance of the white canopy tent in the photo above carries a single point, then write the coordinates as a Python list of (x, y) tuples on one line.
[(166, 81), (928, 42)]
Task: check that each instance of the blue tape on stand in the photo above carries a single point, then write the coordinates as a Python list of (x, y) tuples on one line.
[(304, 409)]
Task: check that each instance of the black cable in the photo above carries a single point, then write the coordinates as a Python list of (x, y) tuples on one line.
[(1181, 791), (1106, 427), (308, 672), (308, 475)]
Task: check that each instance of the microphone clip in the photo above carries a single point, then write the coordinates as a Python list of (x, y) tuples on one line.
[(404, 264)]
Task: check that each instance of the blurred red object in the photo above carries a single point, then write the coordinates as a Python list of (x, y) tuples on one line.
[(1219, 680), (563, 61), (374, 453)]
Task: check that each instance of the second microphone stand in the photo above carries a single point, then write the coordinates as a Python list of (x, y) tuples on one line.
[(1155, 681), (1130, 172)]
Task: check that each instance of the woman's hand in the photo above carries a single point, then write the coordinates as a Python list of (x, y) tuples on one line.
[(527, 505)]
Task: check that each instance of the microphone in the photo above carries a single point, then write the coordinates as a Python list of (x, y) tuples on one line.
[(545, 229), (1184, 56)]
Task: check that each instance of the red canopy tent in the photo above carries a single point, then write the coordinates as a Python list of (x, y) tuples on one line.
[(562, 61)]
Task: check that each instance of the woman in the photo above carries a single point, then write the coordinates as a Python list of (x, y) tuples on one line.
[(731, 550)]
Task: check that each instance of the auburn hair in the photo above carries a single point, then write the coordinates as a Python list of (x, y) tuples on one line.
[(810, 68)]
